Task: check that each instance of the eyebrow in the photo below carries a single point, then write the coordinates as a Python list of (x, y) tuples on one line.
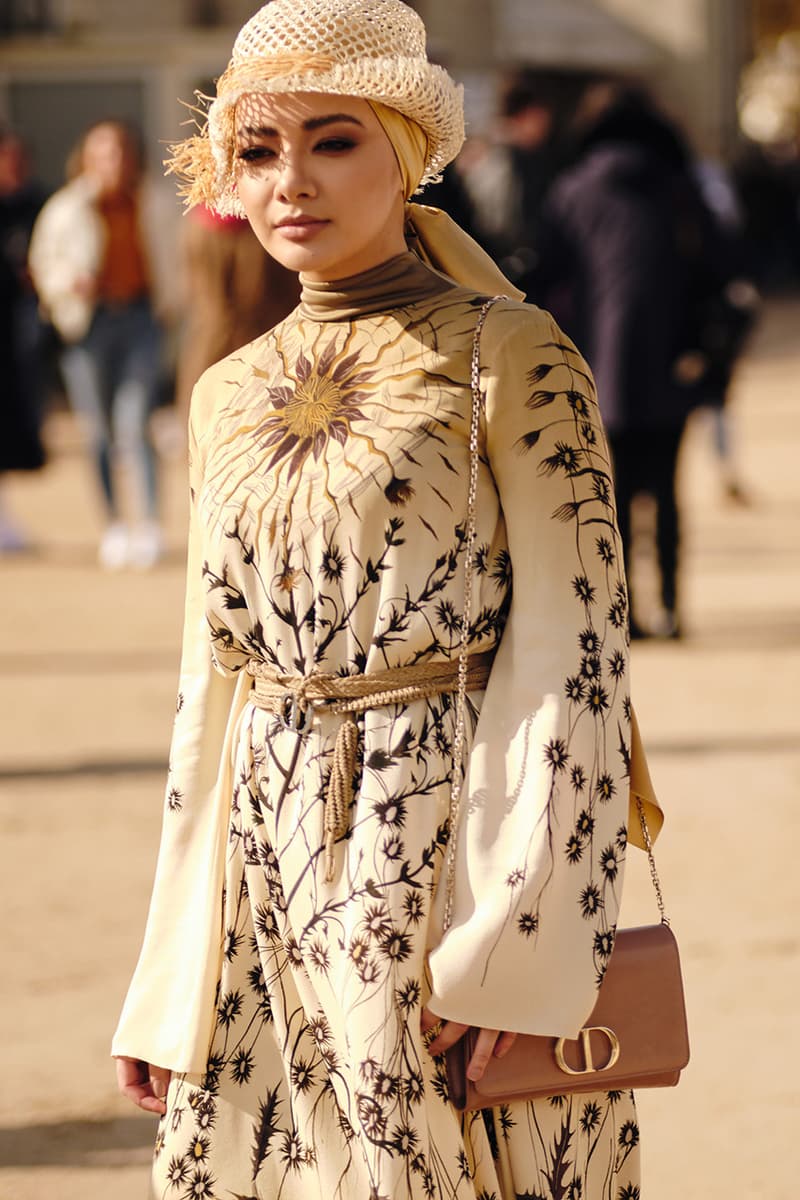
[(310, 125)]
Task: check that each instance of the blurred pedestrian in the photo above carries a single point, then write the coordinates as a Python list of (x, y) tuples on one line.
[(102, 258), (21, 331), (627, 258), (507, 178), (233, 292), (725, 316)]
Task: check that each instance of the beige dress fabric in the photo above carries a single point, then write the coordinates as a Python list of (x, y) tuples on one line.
[(329, 468)]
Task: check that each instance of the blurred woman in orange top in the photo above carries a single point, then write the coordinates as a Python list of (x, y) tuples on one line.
[(101, 257)]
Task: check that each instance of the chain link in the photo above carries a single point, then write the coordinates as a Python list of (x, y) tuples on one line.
[(651, 859), (463, 653)]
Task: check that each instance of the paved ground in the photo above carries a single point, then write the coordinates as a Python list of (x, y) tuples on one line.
[(87, 674)]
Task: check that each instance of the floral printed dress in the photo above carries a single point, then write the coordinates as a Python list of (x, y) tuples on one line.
[(329, 479)]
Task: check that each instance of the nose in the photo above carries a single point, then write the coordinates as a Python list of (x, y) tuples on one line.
[(294, 179)]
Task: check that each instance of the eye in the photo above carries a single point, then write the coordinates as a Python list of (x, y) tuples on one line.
[(253, 154), (335, 145)]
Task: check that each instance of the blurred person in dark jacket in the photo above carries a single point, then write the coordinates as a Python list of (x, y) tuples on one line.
[(22, 334), (508, 178), (628, 257)]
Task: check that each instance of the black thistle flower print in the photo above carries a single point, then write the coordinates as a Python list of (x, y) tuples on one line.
[(329, 469), (584, 590), (556, 753), (590, 1116), (591, 900), (528, 923), (604, 944), (574, 849)]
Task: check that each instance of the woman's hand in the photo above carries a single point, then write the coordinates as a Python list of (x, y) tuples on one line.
[(491, 1043), (145, 1085)]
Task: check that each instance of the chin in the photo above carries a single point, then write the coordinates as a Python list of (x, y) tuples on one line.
[(295, 257), (305, 260)]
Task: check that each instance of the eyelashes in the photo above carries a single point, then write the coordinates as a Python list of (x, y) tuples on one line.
[(336, 145), (254, 154)]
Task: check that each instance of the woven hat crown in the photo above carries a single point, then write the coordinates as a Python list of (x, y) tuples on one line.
[(368, 49), (343, 29)]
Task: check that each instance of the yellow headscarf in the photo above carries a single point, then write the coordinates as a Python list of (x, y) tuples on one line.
[(433, 236)]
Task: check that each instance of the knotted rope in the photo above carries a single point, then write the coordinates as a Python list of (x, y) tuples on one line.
[(293, 697)]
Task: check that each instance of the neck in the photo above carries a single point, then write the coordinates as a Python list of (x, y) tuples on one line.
[(401, 280)]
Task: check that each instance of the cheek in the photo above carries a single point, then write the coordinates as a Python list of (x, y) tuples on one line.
[(385, 178), (249, 192), (254, 197), (380, 188)]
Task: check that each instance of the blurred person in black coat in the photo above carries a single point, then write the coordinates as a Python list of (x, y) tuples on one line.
[(22, 334), (508, 178), (627, 259)]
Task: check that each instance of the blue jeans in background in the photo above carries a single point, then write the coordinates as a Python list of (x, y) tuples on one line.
[(111, 377)]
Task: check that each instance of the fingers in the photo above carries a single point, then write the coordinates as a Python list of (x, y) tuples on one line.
[(504, 1044), (490, 1043), (484, 1047), (449, 1034), (446, 1037), (143, 1085), (159, 1081), (428, 1020)]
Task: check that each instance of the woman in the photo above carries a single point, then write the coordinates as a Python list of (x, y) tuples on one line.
[(294, 992), (101, 257)]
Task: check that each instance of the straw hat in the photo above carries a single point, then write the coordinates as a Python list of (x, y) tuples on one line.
[(370, 49)]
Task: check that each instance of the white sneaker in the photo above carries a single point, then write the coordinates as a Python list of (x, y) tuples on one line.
[(146, 545), (113, 551)]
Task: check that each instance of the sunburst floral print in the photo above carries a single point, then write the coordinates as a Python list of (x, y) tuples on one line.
[(320, 404)]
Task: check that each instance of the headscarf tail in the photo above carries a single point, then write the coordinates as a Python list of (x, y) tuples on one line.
[(441, 243)]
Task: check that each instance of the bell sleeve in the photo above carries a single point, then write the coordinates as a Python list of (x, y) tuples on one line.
[(541, 835), (168, 1014)]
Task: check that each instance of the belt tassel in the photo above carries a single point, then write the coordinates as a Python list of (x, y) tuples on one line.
[(340, 790)]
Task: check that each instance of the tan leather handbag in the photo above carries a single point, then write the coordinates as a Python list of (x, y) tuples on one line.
[(635, 1037), (637, 1034)]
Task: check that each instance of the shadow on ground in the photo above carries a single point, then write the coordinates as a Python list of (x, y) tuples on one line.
[(85, 769), (121, 1141)]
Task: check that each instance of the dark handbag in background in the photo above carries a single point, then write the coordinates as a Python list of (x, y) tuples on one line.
[(636, 1035)]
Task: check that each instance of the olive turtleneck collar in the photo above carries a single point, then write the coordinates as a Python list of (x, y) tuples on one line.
[(402, 280)]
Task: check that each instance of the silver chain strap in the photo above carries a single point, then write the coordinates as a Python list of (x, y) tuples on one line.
[(463, 652), (652, 860)]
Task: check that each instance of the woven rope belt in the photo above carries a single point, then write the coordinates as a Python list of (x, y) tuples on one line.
[(294, 698)]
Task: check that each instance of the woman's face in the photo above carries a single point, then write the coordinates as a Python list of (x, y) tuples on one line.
[(108, 159), (319, 182)]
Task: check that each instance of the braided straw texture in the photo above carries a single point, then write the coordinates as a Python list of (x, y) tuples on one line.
[(370, 49)]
